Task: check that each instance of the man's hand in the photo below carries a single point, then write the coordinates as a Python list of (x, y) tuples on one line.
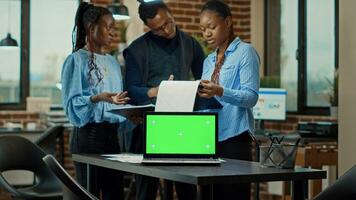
[(209, 89), (153, 92)]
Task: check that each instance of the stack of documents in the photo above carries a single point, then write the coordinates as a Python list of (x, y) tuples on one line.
[(125, 157)]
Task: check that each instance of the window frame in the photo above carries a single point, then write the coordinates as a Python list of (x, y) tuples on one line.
[(24, 60), (302, 89), (24, 87)]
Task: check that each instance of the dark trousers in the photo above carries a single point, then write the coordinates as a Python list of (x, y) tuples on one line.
[(146, 187), (98, 138), (238, 147)]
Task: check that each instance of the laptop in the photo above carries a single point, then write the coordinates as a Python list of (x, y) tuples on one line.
[(180, 138)]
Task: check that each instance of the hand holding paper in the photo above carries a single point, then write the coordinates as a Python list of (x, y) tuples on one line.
[(152, 92), (209, 89)]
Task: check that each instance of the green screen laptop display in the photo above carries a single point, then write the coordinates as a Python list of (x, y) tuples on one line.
[(181, 133)]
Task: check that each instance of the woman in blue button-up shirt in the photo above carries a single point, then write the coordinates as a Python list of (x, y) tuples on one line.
[(231, 75), (91, 84)]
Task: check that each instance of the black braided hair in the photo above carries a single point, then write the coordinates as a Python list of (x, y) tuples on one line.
[(88, 14)]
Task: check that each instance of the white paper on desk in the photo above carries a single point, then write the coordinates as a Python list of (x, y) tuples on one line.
[(176, 96), (125, 157)]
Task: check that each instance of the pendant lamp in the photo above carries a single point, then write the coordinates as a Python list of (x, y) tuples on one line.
[(8, 41), (119, 10)]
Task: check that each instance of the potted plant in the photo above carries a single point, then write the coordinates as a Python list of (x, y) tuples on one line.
[(122, 28), (270, 82), (334, 94), (203, 44)]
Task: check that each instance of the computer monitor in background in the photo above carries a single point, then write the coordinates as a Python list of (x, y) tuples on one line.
[(271, 104)]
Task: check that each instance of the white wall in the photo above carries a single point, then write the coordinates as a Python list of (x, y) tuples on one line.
[(135, 27), (347, 91)]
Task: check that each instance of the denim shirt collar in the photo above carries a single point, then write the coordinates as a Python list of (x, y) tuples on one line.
[(231, 48)]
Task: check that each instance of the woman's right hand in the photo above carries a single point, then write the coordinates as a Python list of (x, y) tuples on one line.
[(209, 89)]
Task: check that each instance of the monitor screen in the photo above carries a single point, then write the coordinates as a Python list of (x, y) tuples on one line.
[(180, 133), (271, 104)]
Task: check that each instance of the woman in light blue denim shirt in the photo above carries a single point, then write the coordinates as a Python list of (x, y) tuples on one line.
[(91, 85), (231, 75)]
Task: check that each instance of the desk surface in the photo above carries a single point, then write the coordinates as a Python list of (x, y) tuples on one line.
[(20, 131), (231, 171)]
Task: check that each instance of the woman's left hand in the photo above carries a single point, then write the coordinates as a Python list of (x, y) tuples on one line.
[(210, 89), (120, 98)]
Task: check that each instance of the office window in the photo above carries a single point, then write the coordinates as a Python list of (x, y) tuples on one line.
[(49, 47), (10, 20), (300, 43), (320, 50)]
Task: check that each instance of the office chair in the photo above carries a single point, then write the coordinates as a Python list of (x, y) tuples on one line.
[(18, 153), (72, 189), (343, 188), (48, 141)]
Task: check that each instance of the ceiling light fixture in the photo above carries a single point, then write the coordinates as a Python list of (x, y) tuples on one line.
[(8, 41), (119, 10)]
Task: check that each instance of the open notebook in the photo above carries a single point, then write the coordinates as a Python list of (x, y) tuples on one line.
[(180, 138)]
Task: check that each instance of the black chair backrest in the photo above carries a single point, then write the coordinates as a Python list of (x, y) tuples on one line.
[(70, 184), (18, 153), (343, 188), (47, 140)]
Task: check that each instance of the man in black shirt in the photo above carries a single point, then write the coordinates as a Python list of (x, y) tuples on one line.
[(163, 53)]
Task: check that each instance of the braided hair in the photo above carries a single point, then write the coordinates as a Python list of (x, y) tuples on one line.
[(86, 15)]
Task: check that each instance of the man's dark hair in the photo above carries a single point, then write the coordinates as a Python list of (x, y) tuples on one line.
[(218, 6), (148, 10)]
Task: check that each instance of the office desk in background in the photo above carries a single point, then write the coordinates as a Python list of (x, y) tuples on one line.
[(231, 171), (28, 134), (313, 152)]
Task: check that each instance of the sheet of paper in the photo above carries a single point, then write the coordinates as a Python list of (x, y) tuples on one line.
[(176, 96), (125, 157), (129, 106)]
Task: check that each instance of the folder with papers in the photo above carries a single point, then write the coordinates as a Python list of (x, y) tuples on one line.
[(129, 110)]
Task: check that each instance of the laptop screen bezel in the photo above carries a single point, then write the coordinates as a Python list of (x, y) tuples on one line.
[(154, 155)]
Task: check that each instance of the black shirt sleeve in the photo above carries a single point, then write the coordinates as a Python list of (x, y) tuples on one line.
[(136, 91), (198, 60)]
